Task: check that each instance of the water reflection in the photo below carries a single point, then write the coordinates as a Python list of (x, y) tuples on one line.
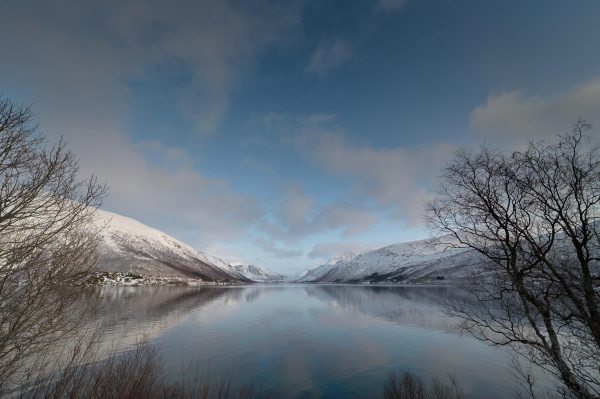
[(411, 306), (130, 312), (308, 341)]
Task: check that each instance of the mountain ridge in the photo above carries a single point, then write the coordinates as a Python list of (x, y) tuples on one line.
[(128, 246), (416, 261), (317, 272), (259, 274)]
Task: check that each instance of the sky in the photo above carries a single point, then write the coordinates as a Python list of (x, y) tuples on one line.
[(283, 133)]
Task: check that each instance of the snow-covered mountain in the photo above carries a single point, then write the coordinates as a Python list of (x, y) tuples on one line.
[(299, 275), (315, 273), (130, 246), (423, 260), (259, 274)]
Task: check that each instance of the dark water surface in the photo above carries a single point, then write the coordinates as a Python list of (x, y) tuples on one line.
[(308, 341)]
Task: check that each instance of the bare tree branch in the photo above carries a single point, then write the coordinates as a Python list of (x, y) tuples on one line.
[(47, 242), (532, 215)]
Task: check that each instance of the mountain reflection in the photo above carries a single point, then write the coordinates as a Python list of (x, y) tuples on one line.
[(306, 340), (133, 311), (158, 308), (414, 306)]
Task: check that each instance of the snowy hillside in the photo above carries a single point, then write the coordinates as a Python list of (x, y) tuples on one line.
[(298, 276), (221, 264), (315, 273), (130, 246), (417, 260), (259, 274)]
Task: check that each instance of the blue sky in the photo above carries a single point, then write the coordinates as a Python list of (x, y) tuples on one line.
[(282, 133)]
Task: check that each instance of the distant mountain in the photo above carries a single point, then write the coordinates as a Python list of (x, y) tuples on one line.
[(315, 273), (259, 274), (130, 246), (423, 261), (297, 276)]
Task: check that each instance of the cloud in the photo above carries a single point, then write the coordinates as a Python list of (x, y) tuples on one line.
[(157, 184), (513, 117), (76, 61), (280, 253), (396, 178), (298, 216), (331, 249), (295, 207), (390, 5), (162, 154), (229, 255), (353, 219), (95, 48), (329, 55), (256, 164)]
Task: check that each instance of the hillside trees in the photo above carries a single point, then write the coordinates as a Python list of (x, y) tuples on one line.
[(533, 215), (46, 243)]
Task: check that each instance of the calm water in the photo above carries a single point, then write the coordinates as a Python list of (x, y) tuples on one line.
[(308, 341)]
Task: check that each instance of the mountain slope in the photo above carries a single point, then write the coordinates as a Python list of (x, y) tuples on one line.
[(422, 260), (299, 275), (130, 246), (259, 274), (315, 273)]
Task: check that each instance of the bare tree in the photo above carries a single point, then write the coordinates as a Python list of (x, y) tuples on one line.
[(532, 215), (406, 385), (137, 373), (46, 243)]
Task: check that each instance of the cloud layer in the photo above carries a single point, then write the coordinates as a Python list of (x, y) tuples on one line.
[(513, 117), (75, 60), (329, 55), (330, 249), (298, 216), (396, 178), (156, 98)]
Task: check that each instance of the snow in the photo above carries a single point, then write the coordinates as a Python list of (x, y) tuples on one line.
[(316, 272), (128, 244), (303, 273), (259, 274), (221, 264), (120, 226), (407, 258)]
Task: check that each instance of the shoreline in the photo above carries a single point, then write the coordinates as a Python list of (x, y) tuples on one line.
[(119, 279)]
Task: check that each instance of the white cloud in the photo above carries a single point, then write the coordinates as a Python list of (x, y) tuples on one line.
[(168, 194), (353, 219), (73, 60), (229, 255), (512, 117), (331, 249), (295, 207), (298, 216), (176, 157), (90, 50), (329, 55), (280, 253), (394, 178)]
